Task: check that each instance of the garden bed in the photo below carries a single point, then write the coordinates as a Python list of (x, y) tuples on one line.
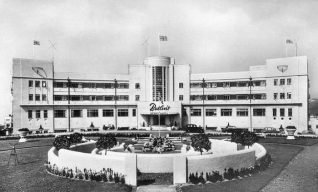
[(155, 179)]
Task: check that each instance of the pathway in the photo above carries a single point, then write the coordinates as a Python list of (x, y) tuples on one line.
[(301, 174), (156, 188)]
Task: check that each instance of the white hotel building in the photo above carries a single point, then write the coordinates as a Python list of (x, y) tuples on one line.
[(161, 93)]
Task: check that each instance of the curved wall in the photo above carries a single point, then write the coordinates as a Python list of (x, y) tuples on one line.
[(224, 156)]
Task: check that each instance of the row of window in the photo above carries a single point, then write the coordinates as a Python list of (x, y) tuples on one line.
[(282, 81), (229, 84), (37, 114), (37, 83), (228, 97), (79, 113), (241, 112), (94, 113), (94, 85), (37, 97), (283, 95), (282, 112), (94, 97)]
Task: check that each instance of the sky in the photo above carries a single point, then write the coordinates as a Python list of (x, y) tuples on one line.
[(104, 36)]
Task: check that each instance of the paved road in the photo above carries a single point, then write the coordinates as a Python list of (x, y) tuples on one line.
[(301, 174)]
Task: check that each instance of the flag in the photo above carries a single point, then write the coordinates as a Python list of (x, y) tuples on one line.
[(288, 41), (163, 38), (36, 42)]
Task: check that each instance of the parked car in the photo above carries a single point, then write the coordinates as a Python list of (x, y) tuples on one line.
[(192, 128), (270, 130)]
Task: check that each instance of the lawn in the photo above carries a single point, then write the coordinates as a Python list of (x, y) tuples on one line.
[(283, 140), (30, 174)]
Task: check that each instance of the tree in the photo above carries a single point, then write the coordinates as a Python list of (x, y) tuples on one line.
[(244, 137), (61, 142), (248, 138), (106, 142), (76, 138), (200, 142)]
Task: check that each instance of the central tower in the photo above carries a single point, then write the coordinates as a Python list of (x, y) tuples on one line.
[(161, 77)]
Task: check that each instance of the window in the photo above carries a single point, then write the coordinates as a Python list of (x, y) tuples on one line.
[(274, 112), (137, 86), (226, 112), (134, 112), (108, 112), (43, 97), (282, 82), (289, 81), (288, 95), (282, 95), (30, 97), (123, 85), (37, 83), (37, 97), (122, 112), (109, 97), (76, 113), (123, 97), (259, 112), (290, 112), (30, 114), (180, 97), (195, 112), (30, 83), (43, 83), (282, 112), (137, 97), (241, 112), (59, 113), (38, 114), (275, 95), (275, 82), (180, 85), (210, 112), (60, 84), (211, 97), (92, 112), (45, 113)]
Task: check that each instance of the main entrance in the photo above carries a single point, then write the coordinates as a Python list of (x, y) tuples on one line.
[(159, 120)]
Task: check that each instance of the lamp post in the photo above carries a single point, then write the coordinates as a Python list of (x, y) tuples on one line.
[(203, 116), (159, 124), (68, 106), (115, 86), (250, 97)]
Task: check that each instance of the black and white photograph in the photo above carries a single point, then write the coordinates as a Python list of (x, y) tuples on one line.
[(159, 95)]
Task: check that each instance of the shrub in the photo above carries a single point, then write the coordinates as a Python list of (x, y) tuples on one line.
[(76, 138), (248, 138), (24, 129), (200, 142), (106, 142), (61, 142)]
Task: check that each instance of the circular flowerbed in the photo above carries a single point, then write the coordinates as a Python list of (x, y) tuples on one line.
[(206, 160)]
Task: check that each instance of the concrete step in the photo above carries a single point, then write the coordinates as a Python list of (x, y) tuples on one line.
[(156, 188)]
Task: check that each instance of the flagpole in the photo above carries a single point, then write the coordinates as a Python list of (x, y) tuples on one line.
[(296, 48), (285, 49), (159, 44), (33, 50)]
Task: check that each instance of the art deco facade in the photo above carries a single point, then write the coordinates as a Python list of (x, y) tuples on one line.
[(161, 93)]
